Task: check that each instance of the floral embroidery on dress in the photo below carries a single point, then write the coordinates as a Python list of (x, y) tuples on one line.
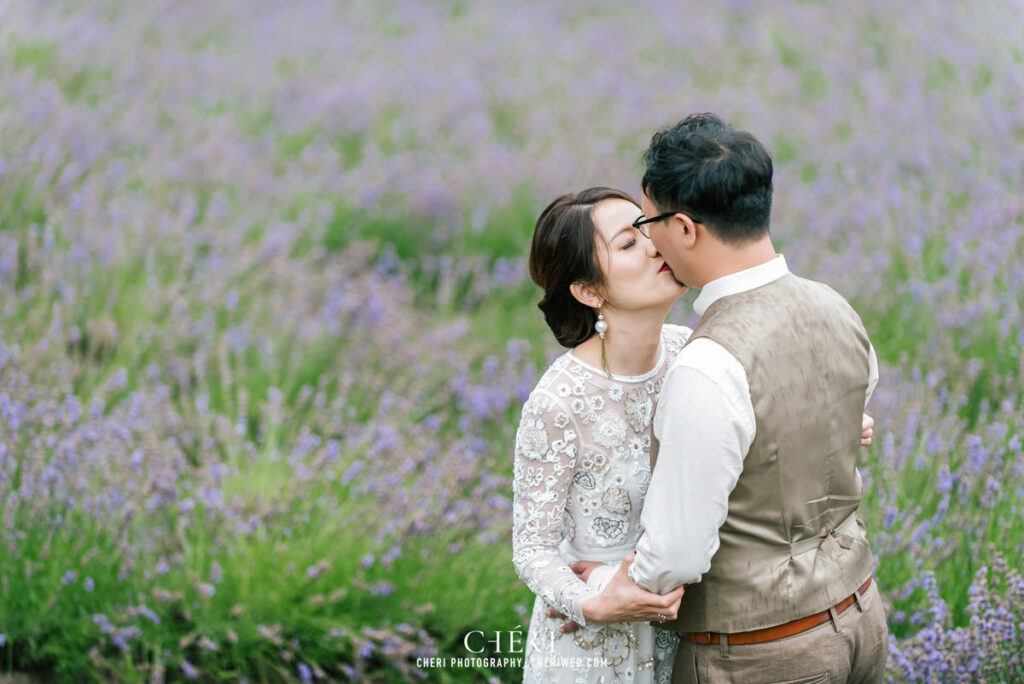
[(569, 525), (533, 477), (532, 439), (594, 461), (587, 637), (610, 429), (584, 479), (639, 409), (609, 530), (618, 642), (616, 500), (644, 482)]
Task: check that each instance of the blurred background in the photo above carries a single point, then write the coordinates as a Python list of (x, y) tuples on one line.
[(266, 327)]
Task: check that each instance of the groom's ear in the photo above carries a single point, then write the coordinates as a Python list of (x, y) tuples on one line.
[(586, 295), (689, 230)]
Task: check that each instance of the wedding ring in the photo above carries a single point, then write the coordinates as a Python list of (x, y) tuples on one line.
[(662, 618)]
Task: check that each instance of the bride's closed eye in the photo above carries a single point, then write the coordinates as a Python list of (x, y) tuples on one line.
[(629, 244)]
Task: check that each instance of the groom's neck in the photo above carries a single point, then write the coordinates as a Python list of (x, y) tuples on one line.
[(721, 259)]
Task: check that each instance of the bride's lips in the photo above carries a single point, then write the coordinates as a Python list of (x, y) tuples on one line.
[(665, 267)]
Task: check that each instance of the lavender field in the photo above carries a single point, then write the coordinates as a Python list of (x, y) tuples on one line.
[(266, 327)]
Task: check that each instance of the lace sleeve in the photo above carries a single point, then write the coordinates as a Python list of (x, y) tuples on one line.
[(545, 458)]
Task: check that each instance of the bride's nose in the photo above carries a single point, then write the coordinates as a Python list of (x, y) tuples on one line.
[(649, 248)]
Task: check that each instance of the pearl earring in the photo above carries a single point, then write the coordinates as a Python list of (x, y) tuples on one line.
[(601, 326)]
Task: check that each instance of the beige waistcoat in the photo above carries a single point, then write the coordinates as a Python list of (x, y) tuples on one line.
[(792, 544)]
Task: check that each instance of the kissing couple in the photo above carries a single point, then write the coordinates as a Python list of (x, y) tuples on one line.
[(685, 501)]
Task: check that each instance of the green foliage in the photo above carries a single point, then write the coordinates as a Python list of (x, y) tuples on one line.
[(43, 58)]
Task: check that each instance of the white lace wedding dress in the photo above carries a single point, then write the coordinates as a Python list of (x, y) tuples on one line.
[(582, 467)]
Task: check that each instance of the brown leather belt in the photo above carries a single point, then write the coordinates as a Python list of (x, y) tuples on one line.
[(759, 636)]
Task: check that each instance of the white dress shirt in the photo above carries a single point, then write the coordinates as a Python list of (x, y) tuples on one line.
[(702, 448)]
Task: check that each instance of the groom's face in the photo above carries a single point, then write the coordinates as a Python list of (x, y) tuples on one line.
[(663, 236)]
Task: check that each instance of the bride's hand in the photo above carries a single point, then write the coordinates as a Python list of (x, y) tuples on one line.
[(623, 601), (867, 430)]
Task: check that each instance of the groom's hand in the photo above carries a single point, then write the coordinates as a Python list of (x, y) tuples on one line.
[(623, 601), (569, 627), (584, 568)]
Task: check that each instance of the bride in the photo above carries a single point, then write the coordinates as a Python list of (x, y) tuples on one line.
[(583, 447)]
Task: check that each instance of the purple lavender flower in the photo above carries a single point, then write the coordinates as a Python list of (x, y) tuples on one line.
[(146, 612), (317, 570), (189, 670), (352, 472), (101, 621)]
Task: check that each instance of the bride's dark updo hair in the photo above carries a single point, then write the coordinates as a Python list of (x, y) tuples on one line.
[(563, 252)]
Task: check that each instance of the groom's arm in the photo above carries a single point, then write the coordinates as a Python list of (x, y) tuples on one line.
[(705, 425)]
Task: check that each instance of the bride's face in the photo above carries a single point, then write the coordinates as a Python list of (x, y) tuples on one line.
[(635, 275)]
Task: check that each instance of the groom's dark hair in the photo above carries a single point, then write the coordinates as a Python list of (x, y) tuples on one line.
[(713, 171)]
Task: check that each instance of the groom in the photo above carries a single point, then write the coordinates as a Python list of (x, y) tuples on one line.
[(753, 503)]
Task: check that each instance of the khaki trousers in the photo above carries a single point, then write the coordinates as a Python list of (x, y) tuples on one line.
[(856, 653)]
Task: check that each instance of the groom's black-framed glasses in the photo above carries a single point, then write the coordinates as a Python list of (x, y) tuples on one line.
[(640, 220)]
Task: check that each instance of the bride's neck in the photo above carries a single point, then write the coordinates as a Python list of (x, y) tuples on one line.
[(631, 344)]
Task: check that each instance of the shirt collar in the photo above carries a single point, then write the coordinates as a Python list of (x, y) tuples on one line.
[(741, 281)]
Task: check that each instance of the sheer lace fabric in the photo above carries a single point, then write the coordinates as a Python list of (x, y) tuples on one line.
[(582, 468)]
